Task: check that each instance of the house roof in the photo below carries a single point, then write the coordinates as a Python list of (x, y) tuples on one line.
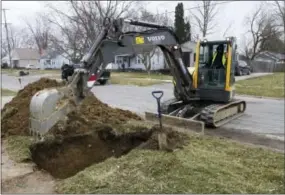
[(271, 55), (27, 54), (188, 46), (278, 56), (50, 54)]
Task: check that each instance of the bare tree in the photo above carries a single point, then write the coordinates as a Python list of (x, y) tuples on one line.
[(279, 14), (40, 31), (227, 29), (279, 11), (79, 28), (18, 38), (258, 21), (205, 17)]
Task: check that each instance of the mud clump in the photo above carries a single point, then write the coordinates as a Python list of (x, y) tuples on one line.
[(64, 156), (15, 114), (174, 139)]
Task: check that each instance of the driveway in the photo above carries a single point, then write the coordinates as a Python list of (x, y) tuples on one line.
[(263, 116)]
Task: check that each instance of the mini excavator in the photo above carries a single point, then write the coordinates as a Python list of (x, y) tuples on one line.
[(203, 94)]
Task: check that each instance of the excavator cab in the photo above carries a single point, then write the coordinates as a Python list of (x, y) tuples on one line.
[(214, 69)]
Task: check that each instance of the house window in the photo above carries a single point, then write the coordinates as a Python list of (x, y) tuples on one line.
[(138, 60), (194, 57)]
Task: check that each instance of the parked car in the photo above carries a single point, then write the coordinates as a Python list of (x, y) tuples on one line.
[(103, 78), (31, 66), (242, 68)]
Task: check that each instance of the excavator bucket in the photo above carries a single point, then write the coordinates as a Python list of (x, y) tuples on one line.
[(47, 107), (189, 124)]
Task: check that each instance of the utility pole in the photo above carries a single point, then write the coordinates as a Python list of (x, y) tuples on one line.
[(7, 35)]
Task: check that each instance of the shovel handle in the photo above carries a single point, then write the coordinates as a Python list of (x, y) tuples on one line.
[(157, 94)]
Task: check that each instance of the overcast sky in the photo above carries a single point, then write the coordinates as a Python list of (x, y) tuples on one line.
[(229, 13)]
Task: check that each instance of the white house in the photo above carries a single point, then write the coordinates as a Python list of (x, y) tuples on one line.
[(21, 57), (53, 60), (189, 53), (133, 58), (270, 57)]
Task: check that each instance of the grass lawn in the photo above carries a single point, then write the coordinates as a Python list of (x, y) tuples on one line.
[(7, 92), (206, 165), (133, 81), (14, 72), (138, 78), (140, 75), (18, 147), (267, 86)]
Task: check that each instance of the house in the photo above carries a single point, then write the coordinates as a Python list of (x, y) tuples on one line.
[(134, 58), (189, 53), (21, 57), (270, 57), (52, 60)]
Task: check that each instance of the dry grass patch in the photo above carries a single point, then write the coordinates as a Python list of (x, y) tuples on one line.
[(267, 86), (134, 81), (205, 165), (141, 75), (7, 92)]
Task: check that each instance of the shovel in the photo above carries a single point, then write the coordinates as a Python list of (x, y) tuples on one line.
[(162, 142)]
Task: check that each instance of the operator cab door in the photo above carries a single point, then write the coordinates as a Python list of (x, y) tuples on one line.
[(215, 74)]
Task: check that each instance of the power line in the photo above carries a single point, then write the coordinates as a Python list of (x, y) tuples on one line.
[(7, 35)]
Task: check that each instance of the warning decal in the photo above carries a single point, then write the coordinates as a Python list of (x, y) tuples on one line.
[(139, 40)]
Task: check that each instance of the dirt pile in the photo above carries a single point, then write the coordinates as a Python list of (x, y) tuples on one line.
[(64, 156), (91, 114), (15, 114)]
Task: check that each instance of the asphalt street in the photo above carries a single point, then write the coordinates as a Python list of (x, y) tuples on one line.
[(263, 116)]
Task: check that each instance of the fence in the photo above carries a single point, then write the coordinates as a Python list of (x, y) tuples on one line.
[(267, 67)]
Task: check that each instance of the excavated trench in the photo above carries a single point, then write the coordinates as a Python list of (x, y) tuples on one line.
[(64, 157)]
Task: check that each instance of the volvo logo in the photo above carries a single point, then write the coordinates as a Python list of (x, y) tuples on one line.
[(156, 38)]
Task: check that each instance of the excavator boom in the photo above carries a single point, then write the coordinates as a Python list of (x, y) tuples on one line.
[(49, 106)]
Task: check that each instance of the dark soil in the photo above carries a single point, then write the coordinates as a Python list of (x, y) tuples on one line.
[(15, 114), (91, 114), (63, 157)]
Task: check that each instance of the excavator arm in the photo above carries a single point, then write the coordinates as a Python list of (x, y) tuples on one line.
[(49, 106)]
